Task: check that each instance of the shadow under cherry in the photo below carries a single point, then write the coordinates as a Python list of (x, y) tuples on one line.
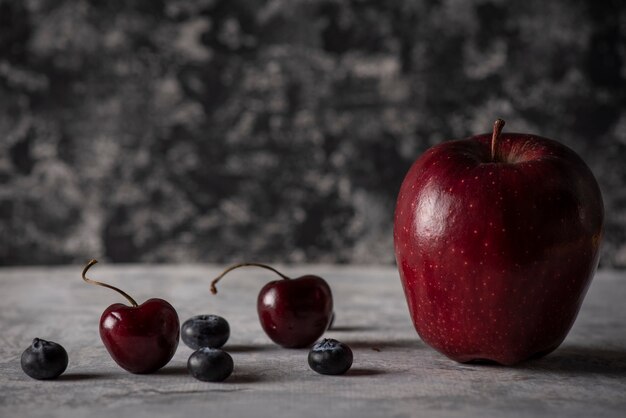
[(76, 377)]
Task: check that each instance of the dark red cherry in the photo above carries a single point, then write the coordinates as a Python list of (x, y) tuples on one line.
[(140, 338), (293, 312)]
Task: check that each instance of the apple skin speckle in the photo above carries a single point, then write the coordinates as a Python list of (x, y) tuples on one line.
[(520, 298)]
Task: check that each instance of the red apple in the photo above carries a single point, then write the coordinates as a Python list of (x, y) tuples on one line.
[(496, 240)]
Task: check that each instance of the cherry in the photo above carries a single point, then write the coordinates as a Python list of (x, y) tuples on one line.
[(140, 338), (293, 312)]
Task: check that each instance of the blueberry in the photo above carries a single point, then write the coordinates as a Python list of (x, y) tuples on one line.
[(210, 364), (330, 357), (44, 359), (205, 331)]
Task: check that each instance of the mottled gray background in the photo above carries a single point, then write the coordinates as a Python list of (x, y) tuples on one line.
[(279, 130)]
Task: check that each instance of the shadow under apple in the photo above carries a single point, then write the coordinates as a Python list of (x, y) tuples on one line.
[(574, 359)]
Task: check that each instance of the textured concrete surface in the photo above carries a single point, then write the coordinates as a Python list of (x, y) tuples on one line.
[(394, 374)]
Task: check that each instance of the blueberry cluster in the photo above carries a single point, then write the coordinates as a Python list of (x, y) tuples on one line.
[(209, 363), (206, 334)]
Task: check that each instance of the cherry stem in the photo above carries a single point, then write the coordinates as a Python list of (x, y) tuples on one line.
[(497, 130), (236, 266), (90, 281)]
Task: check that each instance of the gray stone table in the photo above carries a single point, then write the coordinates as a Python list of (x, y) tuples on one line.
[(394, 374)]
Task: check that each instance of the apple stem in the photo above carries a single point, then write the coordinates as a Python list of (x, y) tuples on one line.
[(236, 266), (90, 281), (497, 130)]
